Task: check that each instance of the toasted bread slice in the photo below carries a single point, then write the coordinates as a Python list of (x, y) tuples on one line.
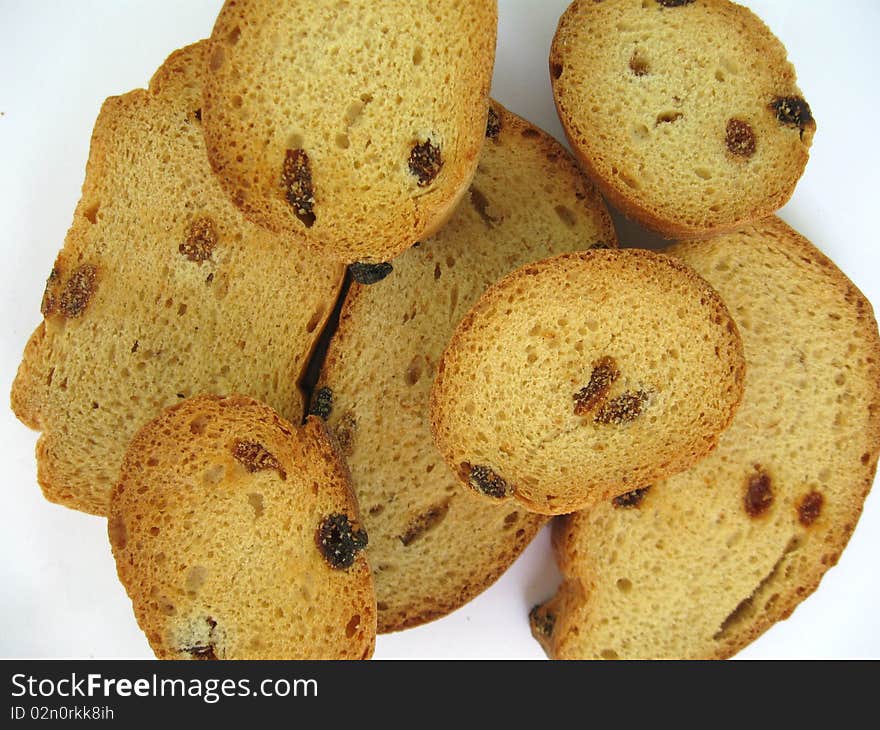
[(701, 564), (162, 290)]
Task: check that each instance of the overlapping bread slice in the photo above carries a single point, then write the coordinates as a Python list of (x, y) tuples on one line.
[(354, 125), (686, 113), (162, 290), (580, 377), (237, 536), (701, 564), (433, 546)]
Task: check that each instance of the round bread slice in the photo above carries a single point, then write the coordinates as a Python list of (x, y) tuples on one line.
[(701, 564), (353, 126), (685, 112), (433, 546), (237, 536), (162, 290), (585, 376)]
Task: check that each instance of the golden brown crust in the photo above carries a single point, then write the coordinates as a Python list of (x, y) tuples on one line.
[(554, 459), (674, 174), (162, 290), (807, 432), (424, 79), (220, 553), (528, 200)]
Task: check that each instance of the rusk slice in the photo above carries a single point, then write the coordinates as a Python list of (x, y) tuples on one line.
[(237, 536), (162, 291), (434, 546), (701, 564), (585, 376), (355, 126), (686, 112)]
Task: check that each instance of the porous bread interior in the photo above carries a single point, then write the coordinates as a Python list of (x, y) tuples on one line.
[(217, 558), (159, 326), (689, 574), (655, 140), (433, 544), (356, 85), (504, 393)]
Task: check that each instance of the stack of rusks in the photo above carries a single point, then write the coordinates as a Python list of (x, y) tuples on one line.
[(332, 190)]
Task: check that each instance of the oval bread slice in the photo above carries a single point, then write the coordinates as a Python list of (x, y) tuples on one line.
[(237, 536), (353, 126), (703, 563), (584, 376), (433, 547), (685, 112), (162, 290)]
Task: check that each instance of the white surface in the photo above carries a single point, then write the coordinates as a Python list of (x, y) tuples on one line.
[(59, 595)]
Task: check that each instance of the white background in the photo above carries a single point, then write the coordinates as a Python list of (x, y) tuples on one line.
[(59, 595)]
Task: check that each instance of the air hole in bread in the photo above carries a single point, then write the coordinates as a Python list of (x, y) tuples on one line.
[(91, 213), (638, 64), (118, 532), (342, 141), (255, 500), (483, 207), (530, 133), (609, 654), (624, 585), (414, 370), (353, 625), (703, 173), (668, 117), (214, 474), (418, 56), (556, 69), (195, 578)]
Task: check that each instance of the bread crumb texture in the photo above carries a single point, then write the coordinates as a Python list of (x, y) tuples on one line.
[(434, 545), (706, 561), (353, 125), (585, 376), (162, 291), (687, 114), (241, 553)]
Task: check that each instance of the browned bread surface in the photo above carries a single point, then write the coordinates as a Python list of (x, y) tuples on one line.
[(162, 290), (237, 536), (584, 376), (703, 563), (686, 114), (434, 546), (355, 126)]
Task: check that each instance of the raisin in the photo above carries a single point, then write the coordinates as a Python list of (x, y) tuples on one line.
[(50, 294), (296, 179), (198, 115), (78, 291), (792, 111), (543, 622), (759, 495), (625, 408), (809, 508), (200, 240), (322, 403), (425, 162), (493, 125), (674, 3), (604, 374), (345, 433), (630, 499), (254, 457), (740, 138), (370, 273), (204, 652), (339, 542), (487, 482), (424, 522)]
